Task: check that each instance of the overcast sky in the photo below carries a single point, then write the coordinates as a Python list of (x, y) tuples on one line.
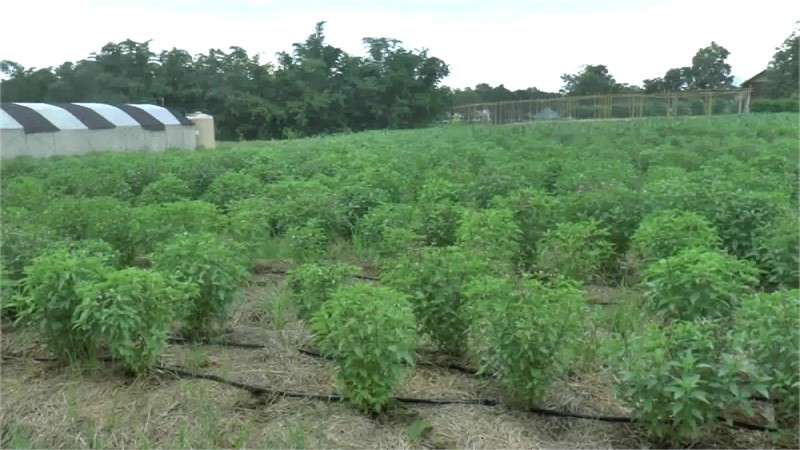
[(523, 43)]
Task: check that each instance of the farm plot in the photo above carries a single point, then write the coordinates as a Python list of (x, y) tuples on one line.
[(455, 287)]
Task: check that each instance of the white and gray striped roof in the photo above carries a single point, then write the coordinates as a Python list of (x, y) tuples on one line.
[(54, 117)]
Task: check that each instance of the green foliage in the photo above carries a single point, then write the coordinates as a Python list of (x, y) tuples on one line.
[(491, 234), (166, 189), (297, 202), (370, 332), (678, 380), (667, 233), (232, 186), (437, 212), (51, 298), (526, 331), (131, 311), (248, 222), (777, 250), (22, 239), (154, 224), (698, 283), (535, 212), (8, 291), (215, 265), (308, 242), (789, 105), (371, 229), (312, 284), (737, 214), (766, 329), (25, 192), (574, 250), (434, 279)]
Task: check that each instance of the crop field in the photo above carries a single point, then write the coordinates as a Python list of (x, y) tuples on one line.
[(625, 284)]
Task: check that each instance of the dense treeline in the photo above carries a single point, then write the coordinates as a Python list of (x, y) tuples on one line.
[(318, 88), (314, 89)]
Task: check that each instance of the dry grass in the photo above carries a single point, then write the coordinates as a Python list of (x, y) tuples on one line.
[(46, 405)]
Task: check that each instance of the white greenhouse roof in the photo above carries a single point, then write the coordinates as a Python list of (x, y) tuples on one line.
[(7, 122), (111, 113), (162, 114), (59, 117)]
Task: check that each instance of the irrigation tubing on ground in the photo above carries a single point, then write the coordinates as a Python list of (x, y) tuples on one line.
[(261, 390), (286, 272), (182, 341)]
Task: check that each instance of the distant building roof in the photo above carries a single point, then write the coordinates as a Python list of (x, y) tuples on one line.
[(760, 77)]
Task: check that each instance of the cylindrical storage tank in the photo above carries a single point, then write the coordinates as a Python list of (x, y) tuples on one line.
[(205, 129)]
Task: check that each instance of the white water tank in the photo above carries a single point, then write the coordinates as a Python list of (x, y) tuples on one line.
[(205, 129)]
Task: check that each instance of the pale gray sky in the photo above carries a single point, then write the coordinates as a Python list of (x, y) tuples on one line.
[(520, 43)]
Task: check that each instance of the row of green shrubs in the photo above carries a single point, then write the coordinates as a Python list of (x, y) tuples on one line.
[(702, 353), (781, 105), (82, 305)]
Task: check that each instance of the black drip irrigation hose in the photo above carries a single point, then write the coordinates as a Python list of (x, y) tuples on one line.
[(261, 390), (455, 367), (312, 353), (286, 272)]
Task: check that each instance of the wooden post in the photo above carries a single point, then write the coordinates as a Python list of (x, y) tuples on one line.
[(747, 101)]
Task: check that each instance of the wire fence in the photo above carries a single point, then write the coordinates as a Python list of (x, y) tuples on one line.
[(610, 106)]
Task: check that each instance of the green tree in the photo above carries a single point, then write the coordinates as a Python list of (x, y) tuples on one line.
[(591, 79), (709, 69), (784, 69)]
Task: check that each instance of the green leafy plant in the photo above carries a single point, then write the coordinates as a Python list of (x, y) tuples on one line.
[(312, 284), (131, 311), (232, 186), (154, 224), (51, 297), (491, 234), (248, 222), (166, 189), (678, 380), (777, 250), (308, 242), (575, 250), (25, 192), (738, 214), (217, 266), (8, 291), (535, 212), (666, 233), (697, 283), (370, 332), (525, 331), (434, 279), (371, 229), (298, 202), (766, 329), (22, 238)]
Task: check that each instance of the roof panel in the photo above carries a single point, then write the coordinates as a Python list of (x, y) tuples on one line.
[(32, 121), (7, 122), (162, 114), (111, 113), (87, 116), (145, 119), (59, 117)]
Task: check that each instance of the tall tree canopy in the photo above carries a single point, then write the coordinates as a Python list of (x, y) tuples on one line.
[(315, 88), (709, 69), (591, 79), (784, 69)]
